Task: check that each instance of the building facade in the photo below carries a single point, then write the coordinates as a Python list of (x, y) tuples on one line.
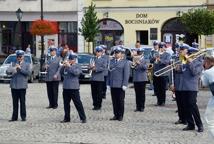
[(142, 20), (14, 34)]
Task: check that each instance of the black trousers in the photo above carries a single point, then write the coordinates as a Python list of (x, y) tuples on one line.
[(69, 94), (191, 107), (139, 88), (96, 90), (155, 84), (52, 90), (160, 84), (180, 98), (104, 87), (18, 95), (118, 96)]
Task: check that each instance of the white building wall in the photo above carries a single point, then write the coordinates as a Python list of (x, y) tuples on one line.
[(80, 14), (34, 5)]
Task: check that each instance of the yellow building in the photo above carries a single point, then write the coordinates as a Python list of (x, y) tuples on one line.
[(143, 20)]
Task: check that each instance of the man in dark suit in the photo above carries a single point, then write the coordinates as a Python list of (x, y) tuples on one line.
[(52, 78), (70, 72), (18, 84)]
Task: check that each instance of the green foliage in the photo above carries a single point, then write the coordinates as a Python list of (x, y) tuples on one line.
[(90, 24), (199, 21)]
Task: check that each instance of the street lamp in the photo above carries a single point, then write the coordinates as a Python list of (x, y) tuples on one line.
[(42, 60), (19, 14)]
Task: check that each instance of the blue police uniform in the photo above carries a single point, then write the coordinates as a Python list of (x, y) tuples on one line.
[(106, 57), (140, 79), (186, 83), (161, 81), (119, 70), (52, 79), (71, 89), (18, 85), (97, 80)]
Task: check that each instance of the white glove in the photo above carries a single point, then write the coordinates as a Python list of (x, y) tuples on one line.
[(108, 88), (124, 88)]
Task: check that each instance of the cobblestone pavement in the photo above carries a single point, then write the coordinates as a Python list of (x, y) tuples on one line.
[(153, 126)]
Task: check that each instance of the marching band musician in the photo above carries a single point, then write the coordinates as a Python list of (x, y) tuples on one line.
[(52, 79), (106, 57), (18, 84), (186, 84), (71, 71), (98, 68), (162, 59), (178, 93), (139, 79), (154, 52), (119, 70)]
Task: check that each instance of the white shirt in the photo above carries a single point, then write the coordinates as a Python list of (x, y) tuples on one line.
[(207, 76)]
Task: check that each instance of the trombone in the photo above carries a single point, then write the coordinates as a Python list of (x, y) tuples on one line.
[(182, 60)]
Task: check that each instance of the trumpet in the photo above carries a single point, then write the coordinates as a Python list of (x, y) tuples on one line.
[(91, 65), (182, 60), (135, 60)]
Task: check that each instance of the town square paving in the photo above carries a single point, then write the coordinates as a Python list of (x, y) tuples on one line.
[(153, 126)]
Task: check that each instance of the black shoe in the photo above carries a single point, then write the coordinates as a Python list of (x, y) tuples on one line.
[(120, 119), (153, 94), (162, 104), (48, 107), (12, 120), (139, 110), (96, 108), (136, 110), (178, 122), (24, 119), (84, 121), (200, 129), (114, 118), (64, 121), (55, 107), (189, 128)]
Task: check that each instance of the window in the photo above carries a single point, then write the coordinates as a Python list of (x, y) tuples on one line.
[(68, 34), (153, 33)]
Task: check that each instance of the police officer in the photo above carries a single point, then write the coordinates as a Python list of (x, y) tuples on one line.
[(18, 84), (154, 52), (139, 79), (70, 72), (188, 85), (177, 75), (162, 59), (106, 57), (52, 79), (98, 67), (119, 70)]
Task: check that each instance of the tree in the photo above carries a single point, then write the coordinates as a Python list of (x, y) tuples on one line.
[(89, 24), (199, 21)]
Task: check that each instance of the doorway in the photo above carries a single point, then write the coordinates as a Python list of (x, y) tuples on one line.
[(142, 36)]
